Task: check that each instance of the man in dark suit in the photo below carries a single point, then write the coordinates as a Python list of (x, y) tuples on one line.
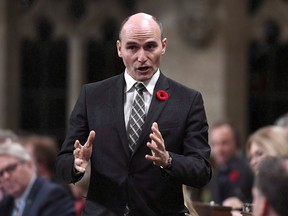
[(25, 193), (232, 179), (145, 178)]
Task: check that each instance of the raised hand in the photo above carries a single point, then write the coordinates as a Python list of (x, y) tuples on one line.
[(82, 153), (159, 155)]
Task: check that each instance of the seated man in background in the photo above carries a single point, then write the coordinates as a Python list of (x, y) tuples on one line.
[(5, 137), (270, 191), (25, 193), (232, 179)]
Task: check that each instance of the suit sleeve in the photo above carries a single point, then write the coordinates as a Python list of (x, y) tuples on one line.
[(77, 130), (192, 167)]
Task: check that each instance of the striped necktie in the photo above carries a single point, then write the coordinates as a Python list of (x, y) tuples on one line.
[(137, 117)]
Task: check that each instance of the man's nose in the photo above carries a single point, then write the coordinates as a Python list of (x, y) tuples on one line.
[(142, 56), (5, 175)]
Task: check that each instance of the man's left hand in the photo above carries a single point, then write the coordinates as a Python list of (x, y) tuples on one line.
[(160, 156)]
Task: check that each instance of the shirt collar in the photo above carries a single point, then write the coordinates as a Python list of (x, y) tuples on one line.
[(21, 200), (150, 84)]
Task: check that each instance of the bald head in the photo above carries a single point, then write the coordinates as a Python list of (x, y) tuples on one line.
[(141, 46), (140, 20)]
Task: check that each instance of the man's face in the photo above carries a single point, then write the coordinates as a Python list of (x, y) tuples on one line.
[(223, 144), (259, 202), (141, 47), (15, 175)]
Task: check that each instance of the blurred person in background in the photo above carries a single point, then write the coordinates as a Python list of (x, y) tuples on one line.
[(264, 142), (270, 191), (6, 136), (26, 194), (43, 150), (232, 178)]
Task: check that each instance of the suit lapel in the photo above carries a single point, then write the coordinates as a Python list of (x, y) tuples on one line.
[(155, 109), (31, 197), (116, 97)]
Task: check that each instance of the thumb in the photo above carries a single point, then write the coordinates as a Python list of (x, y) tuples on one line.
[(90, 139)]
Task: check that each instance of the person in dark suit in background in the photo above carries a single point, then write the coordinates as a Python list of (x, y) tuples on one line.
[(146, 177), (232, 178), (25, 193)]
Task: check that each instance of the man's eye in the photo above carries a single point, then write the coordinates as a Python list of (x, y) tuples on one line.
[(131, 47), (151, 46)]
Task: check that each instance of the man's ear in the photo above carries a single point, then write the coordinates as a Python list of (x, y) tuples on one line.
[(118, 45), (164, 45)]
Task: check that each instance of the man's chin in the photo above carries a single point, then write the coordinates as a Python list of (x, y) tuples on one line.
[(142, 77)]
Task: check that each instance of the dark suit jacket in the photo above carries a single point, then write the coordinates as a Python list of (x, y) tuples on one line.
[(118, 178), (44, 199), (233, 180)]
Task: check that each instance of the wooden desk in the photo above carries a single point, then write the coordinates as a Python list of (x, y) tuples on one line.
[(246, 214), (204, 209)]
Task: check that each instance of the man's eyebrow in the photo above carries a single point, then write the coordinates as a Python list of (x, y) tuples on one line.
[(151, 42), (131, 43)]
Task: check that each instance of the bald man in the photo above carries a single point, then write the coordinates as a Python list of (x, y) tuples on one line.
[(137, 168)]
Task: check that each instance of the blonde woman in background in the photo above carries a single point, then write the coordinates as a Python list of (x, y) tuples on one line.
[(266, 141)]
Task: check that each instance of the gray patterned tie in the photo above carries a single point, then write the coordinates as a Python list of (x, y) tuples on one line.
[(137, 117)]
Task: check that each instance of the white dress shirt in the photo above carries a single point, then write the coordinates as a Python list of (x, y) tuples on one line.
[(129, 93), (20, 202)]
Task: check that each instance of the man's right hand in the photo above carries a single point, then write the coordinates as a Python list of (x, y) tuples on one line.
[(82, 153)]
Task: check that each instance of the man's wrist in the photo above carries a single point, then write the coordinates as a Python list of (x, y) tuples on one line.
[(168, 165)]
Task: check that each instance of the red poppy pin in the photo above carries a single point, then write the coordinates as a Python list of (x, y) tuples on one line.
[(162, 95), (234, 175)]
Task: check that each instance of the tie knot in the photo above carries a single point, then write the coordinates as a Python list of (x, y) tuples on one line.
[(139, 87)]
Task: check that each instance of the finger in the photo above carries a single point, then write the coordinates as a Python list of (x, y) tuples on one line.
[(151, 158), (155, 160), (77, 144), (157, 133), (158, 141), (78, 165), (155, 125), (77, 153), (153, 148), (90, 139), (80, 169)]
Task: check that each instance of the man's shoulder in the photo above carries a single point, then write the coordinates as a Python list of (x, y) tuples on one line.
[(175, 85), (43, 186), (50, 197), (106, 82)]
